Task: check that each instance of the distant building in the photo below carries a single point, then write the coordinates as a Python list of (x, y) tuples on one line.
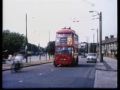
[(92, 47), (82, 47), (82, 44), (85, 47)]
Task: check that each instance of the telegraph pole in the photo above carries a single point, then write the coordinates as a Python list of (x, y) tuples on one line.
[(93, 42), (26, 40), (100, 34), (39, 52), (49, 44), (97, 42), (100, 31)]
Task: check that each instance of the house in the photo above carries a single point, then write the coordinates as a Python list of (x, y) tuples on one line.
[(109, 46)]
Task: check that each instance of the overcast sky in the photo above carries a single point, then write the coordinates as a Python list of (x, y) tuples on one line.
[(45, 15)]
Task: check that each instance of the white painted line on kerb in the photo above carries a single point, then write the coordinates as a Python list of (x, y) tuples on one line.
[(21, 81)]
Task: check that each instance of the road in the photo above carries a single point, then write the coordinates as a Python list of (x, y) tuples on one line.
[(48, 76)]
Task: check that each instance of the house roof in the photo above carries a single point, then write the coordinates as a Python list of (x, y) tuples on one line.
[(109, 40)]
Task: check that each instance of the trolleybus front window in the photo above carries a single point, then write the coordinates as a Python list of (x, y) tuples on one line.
[(64, 50)]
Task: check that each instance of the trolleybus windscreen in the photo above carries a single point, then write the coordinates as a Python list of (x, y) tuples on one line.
[(65, 50)]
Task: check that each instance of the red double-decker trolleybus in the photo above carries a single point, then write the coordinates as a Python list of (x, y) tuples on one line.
[(66, 47)]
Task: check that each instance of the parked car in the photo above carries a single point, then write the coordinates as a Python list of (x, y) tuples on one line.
[(83, 55), (91, 57)]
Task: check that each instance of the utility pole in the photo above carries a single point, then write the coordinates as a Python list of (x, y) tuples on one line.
[(39, 52), (100, 34), (93, 42), (97, 42), (26, 40), (93, 37), (49, 44), (87, 44), (31, 53), (100, 22)]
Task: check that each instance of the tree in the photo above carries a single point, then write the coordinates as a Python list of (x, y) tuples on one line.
[(51, 48), (12, 41)]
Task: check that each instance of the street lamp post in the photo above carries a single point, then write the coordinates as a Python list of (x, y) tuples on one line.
[(93, 44), (97, 40), (100, 33), (26, 40), (88, 44), (39, 52), (49, 45)]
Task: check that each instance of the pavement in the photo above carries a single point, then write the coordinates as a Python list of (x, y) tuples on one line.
[(105, 75), (7, 66)]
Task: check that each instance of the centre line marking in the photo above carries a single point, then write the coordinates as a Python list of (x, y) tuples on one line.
[(40, 74), (21, 81), (51, 69)]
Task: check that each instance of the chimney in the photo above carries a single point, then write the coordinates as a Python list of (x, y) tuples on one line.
[(111, 36), (106, 37), (69, 28), (64, 28)]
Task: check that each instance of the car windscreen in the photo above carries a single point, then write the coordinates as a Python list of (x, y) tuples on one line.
[(63, 50)]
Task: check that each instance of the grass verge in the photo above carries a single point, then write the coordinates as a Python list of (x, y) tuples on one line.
[(37, 62)]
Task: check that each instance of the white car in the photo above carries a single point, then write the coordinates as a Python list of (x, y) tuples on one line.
[(91, 57)]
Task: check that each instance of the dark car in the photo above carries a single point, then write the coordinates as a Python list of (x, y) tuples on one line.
[(83, 56)]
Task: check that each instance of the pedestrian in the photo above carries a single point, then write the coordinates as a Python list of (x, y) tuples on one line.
[(18, 59), (10, 57), (115, 55)]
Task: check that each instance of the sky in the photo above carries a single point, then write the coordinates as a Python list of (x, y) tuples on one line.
[(44, 16)]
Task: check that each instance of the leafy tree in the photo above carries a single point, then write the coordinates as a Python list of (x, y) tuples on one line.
[(12, 41), (51, 48)]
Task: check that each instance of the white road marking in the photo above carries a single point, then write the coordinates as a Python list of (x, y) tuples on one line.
[(40, 73), (51, 69), (21, 81)]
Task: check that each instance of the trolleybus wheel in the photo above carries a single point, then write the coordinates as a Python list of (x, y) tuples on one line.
[(55, 64)]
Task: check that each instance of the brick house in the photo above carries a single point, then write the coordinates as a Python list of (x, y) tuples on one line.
[(109, 46)]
